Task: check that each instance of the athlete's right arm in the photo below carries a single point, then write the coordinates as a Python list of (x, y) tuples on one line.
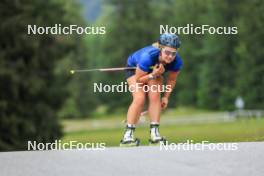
[(144, 67), (144, 77), (141, 76)]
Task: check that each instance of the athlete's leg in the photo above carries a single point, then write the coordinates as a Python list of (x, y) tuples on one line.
[(154, 108), (137, 104), (133, 113)]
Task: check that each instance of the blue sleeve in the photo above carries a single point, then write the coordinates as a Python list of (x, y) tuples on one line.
[(145, 62), (177, 65)]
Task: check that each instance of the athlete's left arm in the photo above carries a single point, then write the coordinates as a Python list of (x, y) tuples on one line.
[(170, 83)]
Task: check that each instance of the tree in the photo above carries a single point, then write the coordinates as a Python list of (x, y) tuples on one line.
[(32, 89), (249, 52)]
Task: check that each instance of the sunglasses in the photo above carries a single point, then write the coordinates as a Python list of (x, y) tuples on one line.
[(170, 53)]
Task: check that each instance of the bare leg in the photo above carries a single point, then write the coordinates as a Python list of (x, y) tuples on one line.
[(137, 104), (154, 108)]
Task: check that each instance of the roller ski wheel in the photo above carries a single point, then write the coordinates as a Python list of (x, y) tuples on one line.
[(133, 143), (158, 142)]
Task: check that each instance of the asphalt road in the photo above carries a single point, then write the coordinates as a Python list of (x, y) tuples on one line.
[(247, 160)]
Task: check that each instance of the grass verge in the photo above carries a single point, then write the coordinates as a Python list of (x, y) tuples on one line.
[(237, 131)]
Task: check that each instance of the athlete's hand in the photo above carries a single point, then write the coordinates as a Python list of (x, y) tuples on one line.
[(164, 102), (158, 70)]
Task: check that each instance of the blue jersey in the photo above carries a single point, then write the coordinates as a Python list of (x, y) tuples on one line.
[(147, 57)]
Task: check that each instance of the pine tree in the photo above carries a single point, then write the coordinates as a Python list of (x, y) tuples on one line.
[(249, 52), (32, 89)]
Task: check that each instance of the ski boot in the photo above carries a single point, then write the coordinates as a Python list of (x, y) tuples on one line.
[(155, 138), (128, 139)]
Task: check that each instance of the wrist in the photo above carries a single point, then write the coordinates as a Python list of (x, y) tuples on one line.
[(152, 76), (155, 74)]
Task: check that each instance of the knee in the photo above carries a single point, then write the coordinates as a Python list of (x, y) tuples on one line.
[(139, 100), (154, 97)]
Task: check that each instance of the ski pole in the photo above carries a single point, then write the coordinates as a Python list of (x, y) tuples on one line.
[(103, 69), (106, 69)]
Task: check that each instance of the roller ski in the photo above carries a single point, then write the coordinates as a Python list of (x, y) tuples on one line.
[(155, 138), (128, 139)]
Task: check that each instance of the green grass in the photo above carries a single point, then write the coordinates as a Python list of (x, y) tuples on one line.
[(101, 117), (187, 111), (241, 130)]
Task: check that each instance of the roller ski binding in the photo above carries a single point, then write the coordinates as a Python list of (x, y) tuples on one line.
[(155, 138), (128, 139)]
